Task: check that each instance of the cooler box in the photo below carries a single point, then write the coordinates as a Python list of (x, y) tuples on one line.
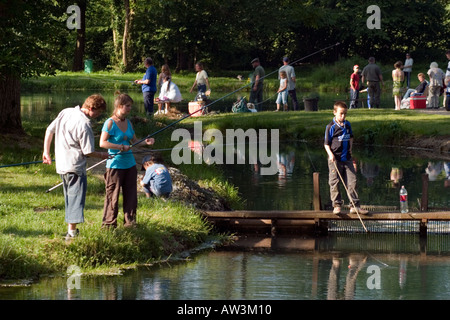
[(196, 105), (418, 102)]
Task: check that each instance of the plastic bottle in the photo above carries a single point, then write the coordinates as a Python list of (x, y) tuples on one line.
[(403, 200)]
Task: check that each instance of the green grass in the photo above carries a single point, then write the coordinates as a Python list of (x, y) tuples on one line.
[(32, 228)]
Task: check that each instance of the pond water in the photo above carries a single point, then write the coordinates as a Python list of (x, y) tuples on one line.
[(45, 105), (338, 266)]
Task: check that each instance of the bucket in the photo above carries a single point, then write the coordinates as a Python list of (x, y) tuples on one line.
[(311, 104)]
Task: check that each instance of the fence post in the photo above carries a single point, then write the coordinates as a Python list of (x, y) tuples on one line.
[(316, 200)]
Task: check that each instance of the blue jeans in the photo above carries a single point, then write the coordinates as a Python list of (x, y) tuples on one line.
[(75, 196), (354, 96), (282, 97)]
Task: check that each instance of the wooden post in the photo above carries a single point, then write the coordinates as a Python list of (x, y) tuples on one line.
[(424, 202), (316, 199), (423, 227)]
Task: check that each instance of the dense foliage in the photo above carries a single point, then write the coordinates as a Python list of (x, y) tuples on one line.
[(224, 34)]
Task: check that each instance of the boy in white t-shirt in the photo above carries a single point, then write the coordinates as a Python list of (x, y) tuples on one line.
[(74, 141)]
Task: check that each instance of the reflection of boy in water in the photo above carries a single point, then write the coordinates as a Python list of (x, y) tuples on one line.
[(356, 263)]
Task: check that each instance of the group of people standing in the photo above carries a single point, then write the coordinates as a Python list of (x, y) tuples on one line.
[(169, 91), (74, 142), (286, 75), (372, 76)]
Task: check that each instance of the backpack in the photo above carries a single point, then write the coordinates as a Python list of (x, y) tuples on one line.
[(240, 106)]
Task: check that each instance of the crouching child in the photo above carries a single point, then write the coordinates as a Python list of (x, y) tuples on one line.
[(157, 180)]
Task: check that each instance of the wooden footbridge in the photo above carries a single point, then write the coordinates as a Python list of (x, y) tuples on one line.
[(318, 220)]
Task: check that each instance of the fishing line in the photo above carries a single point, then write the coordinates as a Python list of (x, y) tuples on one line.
[(204, 107)]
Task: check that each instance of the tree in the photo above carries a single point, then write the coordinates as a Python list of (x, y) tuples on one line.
[(81, 38), (26, 30)]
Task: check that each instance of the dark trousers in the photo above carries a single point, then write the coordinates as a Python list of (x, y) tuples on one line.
[(374, 92), (354, 98), (407, 78), (256, 96), (148, 101), (116, 179), (293, 96)]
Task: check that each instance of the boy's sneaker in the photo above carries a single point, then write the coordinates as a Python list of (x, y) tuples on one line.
[(337, 210), (358, 210), (70, 236)]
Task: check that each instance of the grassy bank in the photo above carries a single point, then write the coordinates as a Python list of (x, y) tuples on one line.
[(32, 228), (32, 222)]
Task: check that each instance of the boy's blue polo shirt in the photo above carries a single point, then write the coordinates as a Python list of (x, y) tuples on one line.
[(150, 74), (338, 138)]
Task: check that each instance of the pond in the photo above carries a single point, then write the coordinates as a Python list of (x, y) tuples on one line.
[(45, 105), (339, 266)]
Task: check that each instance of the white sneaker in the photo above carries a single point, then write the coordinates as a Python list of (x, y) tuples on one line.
[(337, 210), (358, 210)]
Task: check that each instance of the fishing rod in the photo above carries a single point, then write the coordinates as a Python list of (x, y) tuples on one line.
[(202, 108), (21, 164)]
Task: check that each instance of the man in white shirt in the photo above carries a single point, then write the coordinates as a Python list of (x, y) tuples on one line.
[(407, 69), (74, 141), (290, 72)]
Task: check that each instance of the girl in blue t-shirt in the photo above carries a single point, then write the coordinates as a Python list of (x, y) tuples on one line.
[(118, 137)]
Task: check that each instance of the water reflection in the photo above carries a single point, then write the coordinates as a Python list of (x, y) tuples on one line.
[(380, 173), (340, 266)]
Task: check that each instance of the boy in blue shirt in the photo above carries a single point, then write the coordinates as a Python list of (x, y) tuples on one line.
[(338, 145), (157, 180)]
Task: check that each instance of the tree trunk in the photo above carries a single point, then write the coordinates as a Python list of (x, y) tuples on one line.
[(81, 39), (10, 119), (126, 43)]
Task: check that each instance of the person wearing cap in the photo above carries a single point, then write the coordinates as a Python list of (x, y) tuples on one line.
[(407, 69), (354, 87), (290, 72), (256, 94), (372, 76), (157, 180)]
